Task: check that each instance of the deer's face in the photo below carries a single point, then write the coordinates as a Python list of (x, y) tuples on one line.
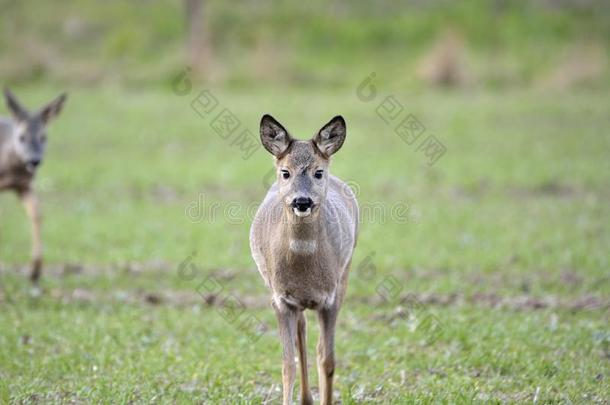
[(30, 140), (302, 178), (302, 166), (30, 129)]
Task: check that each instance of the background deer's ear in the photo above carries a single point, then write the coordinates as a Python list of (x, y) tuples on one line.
[(53, 109), (274, 136), (13, 105), (331, 137)]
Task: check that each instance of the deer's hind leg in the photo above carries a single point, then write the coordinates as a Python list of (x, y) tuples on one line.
[(306, 398), (32, 208)]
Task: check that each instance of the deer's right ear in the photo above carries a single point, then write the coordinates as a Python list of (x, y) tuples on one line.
[(53, 109), (17, 111), (274, 136)]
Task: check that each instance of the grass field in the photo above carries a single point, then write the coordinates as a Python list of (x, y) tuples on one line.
[(493, 286)]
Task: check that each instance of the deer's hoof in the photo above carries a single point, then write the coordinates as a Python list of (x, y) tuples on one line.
[(307, 400), (36, 270)]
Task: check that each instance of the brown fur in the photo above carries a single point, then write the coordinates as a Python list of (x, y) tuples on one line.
[(22, 144), (304, 255)]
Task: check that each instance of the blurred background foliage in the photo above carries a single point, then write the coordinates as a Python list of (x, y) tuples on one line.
[(492, 43)]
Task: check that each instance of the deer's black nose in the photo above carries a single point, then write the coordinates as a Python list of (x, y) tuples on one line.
[(34, 162), (302, 203)]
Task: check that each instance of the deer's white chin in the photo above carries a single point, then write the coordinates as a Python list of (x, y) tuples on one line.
[(302, 214), (30, 167)]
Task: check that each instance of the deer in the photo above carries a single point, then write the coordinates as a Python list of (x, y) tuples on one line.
[(23, 140), (302, 240)]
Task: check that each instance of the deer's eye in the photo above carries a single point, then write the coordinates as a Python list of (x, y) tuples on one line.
[(285, 174), (22, 138), (318, 174)]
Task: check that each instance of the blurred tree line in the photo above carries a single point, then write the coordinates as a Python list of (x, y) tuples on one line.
[(560, 43)]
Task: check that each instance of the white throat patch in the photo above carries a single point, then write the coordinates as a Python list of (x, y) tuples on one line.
[(305, 247)]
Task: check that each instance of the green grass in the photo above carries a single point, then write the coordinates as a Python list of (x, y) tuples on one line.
[(506, 240)]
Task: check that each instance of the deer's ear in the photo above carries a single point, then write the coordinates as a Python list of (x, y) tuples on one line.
[(331, 137), (274, 136), (53, 109), (13, 105)]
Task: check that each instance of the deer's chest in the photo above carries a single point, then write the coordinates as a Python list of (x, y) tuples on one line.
[(15, 178), (305, 280)]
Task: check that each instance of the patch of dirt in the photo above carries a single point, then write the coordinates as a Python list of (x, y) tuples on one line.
[(549, 189), (68, 269), (582, 64), (164, 194), (571, 277), (173, 298), (488, 300), (154, 267), (158, 193), (445, 64), (490, 283), (177, 298)]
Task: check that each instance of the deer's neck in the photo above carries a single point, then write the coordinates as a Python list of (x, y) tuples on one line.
[(302, 234), (8, 155), (10, 159)]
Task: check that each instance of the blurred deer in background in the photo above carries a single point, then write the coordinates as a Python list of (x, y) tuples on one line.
[(23, 141), (302, 240)]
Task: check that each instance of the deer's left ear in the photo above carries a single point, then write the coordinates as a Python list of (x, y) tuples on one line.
[(14, 106), (331, 137), (274, 136), (53, 109)]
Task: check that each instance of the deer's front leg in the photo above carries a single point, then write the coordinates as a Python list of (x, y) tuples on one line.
[(30, 202), (302, 347), (326, 352), (287, 323)]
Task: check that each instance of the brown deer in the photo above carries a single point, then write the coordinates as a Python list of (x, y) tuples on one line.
[(23, 141), (302, 240)]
